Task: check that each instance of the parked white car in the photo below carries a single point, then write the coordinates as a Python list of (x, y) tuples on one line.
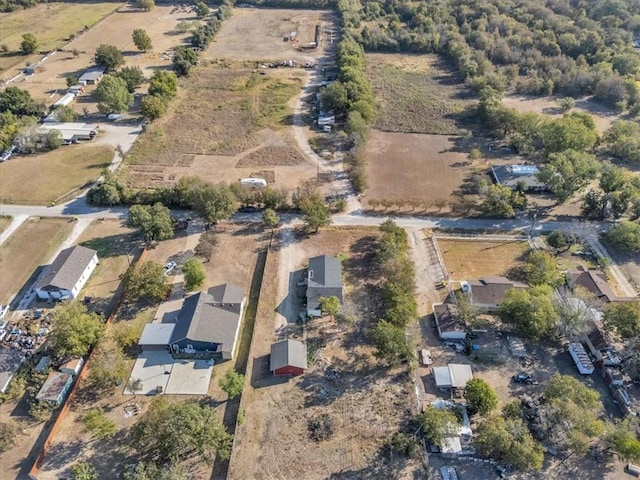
[(168, 268)]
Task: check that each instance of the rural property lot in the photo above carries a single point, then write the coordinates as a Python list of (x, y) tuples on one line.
[(417, 94), (364, 402), (258, 34), (43, 178), (4, 223), (51, 23), (30, 246), (160, 23), (410, 167), (473, 259)]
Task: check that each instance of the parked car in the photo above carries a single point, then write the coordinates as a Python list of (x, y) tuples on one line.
[(169, 267), (524, 378)]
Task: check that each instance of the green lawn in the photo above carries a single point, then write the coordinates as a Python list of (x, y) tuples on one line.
[(43, 178)]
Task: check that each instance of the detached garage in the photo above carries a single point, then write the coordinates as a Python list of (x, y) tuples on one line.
[(288, 357), (156, 337)]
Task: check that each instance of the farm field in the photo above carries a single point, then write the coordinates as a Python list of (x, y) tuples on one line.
[(42, 178), (364, 402), (243, 115), (258, 35), (51, 23), (602, 117), (48, 83), (417, 94), (414, 168), (30, 246), (473, 259)]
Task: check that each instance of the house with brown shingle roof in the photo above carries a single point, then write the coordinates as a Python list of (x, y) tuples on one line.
[(489, 292), (65, 277), (596, 283)]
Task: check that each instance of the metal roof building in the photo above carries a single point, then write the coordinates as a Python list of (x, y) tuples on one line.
[(288, 357)]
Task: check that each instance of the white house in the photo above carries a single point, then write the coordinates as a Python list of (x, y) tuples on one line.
[(65, 277)]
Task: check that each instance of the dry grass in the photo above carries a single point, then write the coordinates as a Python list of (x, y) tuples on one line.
[(28, 247), (417, 94), (51, 23), (471, 259), (44, 178), (219, 111), (4, 223)]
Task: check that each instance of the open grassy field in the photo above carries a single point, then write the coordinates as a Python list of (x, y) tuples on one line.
[(473, 259), (30, 246), (415, 168), (45, 177), (258, 34), (417, 94), (51, 23), (4, 222)]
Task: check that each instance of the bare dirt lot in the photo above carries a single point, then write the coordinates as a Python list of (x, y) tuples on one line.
[(258, 35), (602, 116), (364, 402), (410, 167), (418, 94), (28, 247), (23, 179), (4, 223), (159, 23), (473, 259)]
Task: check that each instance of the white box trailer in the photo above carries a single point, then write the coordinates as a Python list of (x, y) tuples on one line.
[(253, 182), (581, 358)]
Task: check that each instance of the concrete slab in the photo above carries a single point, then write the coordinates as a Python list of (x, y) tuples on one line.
[(154, 370), (168, 311), (190, 377)]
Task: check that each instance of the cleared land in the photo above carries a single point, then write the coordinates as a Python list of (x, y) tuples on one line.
[(417, 94), (258, 34), (51, 23), (409, 167), (473, 259), (4, 223), (45, 177), (242, 115), (30, 246), (364, 402)]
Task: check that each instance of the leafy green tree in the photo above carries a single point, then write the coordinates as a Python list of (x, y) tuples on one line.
[(502, 202), (146, 280), (559, 240), (113, 95), (541, 269), (184, 59), (172, 431), (153, 107), (508, 441), (315, 215), (481, 398), (142, 40), (153, 220), (625, 236), (232, 383), (624, 317), (134, 385), (64, 113), (108, 365), (71, 80), (8, 433), (270, 217), (623, 140), (575, 131), (391, 343), (566, 104), (19, 102), (531, 311), (108, 57), (145, 5), (212, 202), (202, 10), (132, 76), (150, 471), (84, 471), (183, 26), (29, 44), (330, 305), (193, 274), (568, 172), (98, 424), (53, 139), (334, 98), (74, 329), (437, 423), (206, 245), (622, 439), (163, 84)]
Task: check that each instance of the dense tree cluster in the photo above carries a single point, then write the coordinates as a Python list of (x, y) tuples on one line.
[(17, 111), (74, 330), (531, 311), (397, 289)]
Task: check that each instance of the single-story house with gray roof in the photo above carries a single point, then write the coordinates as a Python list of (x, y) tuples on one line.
[(516, 176), (91, 76), (69, 272), (324, 279), (288, 357)]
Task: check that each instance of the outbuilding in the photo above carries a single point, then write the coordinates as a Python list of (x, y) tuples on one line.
[(288, 357), (91, 76), (55, 388), (453, 376), (72, 366), (448, 322)]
